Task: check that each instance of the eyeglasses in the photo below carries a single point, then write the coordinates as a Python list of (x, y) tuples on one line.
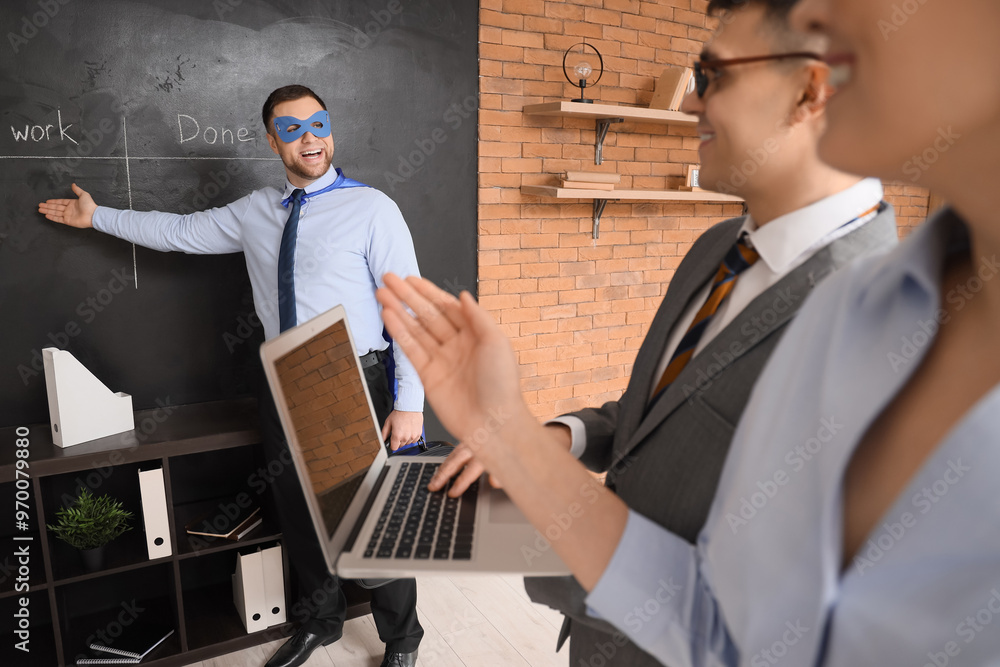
[(702, 67)]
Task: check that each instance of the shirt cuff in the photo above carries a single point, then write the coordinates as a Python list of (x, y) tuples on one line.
[(578, 431), (651, 568), (409, 399), (99, 218)]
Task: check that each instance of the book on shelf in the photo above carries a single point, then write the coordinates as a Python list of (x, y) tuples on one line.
[(129, 649), (582, 185), (592, 177), (671, 88), (219, 523)]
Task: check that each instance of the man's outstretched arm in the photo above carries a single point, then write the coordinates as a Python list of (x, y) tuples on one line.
[(213, 232)]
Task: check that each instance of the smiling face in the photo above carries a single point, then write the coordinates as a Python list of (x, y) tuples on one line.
[(918, 91), (308, 157), (749, 136)]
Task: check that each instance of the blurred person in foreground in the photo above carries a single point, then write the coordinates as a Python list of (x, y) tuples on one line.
[(855, 520)]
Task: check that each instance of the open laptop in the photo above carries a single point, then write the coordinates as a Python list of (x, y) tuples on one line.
[(373, 514)]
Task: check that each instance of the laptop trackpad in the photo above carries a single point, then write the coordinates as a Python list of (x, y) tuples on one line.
[(503, 509)]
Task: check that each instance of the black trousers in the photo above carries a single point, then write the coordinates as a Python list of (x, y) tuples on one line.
[(321, 606)]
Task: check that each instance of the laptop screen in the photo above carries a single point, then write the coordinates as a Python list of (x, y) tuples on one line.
[(331, 417)]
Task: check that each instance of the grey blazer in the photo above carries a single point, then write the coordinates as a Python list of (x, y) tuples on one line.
[(665, 463)]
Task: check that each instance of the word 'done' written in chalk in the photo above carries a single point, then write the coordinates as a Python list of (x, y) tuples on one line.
[(190, 130)]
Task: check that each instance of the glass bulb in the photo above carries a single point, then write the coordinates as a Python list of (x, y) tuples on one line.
[(583, 69)]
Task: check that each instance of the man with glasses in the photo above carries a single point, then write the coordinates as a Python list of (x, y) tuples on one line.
[(760, 101)]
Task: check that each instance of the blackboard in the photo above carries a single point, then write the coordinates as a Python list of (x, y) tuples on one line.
[(156, 106)]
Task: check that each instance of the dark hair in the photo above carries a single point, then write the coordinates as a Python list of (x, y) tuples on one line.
[(776, 9), (286, 94), (775, 21)]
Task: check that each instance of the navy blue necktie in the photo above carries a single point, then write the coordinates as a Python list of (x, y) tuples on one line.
[(286, 264)]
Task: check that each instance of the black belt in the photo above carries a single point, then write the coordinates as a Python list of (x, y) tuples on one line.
[(373, 357)]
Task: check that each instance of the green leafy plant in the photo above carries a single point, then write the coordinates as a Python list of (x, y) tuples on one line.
[(91, 522)]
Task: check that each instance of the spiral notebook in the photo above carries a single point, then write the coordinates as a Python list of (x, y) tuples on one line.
[(129, 649)]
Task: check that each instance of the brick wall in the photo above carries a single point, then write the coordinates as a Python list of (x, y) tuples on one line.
[(577, 309), (910, 203), (329, 409)]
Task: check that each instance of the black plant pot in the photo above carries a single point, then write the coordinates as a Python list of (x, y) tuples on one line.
[(93, 559)]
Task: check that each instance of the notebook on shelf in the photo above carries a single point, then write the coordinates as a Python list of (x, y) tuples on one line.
[(134, 645), (219, 523)]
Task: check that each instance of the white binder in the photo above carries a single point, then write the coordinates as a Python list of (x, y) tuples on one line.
[(81, 408), (274, 585), (249, 594), (154, 513)]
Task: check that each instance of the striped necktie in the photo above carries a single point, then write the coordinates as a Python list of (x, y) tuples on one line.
[(286, 265), (739, 258)]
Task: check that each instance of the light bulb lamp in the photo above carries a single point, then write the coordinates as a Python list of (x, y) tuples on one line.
[(583, 69)]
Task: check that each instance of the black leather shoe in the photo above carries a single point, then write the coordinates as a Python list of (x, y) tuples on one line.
[(300, 646), (399, 659)]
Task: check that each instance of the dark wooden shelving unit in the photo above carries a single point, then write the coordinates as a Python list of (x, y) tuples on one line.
[(208, 453)]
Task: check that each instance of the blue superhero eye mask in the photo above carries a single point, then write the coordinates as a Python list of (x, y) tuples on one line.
[(290, 128)]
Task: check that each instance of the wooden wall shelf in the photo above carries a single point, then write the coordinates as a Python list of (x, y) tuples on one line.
[(606, 111), (602, 197), (606, 114)]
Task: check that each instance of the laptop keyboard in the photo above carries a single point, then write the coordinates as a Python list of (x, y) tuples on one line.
[(418, 524)]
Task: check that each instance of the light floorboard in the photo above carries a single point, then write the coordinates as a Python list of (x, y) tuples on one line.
[(469, 621)]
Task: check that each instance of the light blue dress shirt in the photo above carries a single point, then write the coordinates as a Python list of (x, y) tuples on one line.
[(764, 585), (347, 240)]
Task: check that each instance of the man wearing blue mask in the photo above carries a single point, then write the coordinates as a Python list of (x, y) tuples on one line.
[(322, 240)]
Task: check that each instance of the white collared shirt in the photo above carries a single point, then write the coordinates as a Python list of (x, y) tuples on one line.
[(783, 244)]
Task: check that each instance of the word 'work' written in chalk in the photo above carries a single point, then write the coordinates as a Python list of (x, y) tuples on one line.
[(43, 131)]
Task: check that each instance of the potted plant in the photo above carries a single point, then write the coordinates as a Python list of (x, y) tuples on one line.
[(89, 524)]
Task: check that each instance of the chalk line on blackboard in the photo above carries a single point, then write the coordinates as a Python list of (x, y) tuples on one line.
[(128, 180), (128, 172)]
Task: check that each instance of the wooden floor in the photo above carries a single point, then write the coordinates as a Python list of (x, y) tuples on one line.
[(469, 620)]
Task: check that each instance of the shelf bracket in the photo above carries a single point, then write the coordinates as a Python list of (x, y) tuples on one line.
[(599, 205), (601, 132)]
